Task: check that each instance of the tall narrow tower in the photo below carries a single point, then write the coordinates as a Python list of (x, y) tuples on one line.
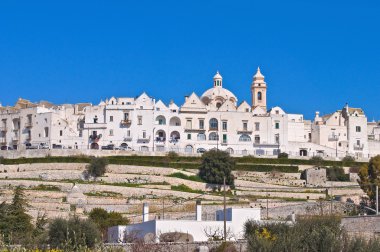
[(259, 91)]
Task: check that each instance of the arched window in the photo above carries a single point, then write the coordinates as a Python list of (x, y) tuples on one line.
[(189, 149), (201, 137), (213, 136), (259, 96), (161, 120), (245, 138), (213, 124)]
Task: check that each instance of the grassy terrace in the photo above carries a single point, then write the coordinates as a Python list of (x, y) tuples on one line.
[(248, 163)]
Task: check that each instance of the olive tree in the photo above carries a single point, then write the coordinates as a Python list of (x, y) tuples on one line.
[(215, 166)]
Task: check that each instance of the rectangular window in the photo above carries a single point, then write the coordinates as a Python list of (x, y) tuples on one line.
[(277, 125), (224, 138), (188, 136), (140, 120), (188, 124), (257, 139), (144, 134), (111, 118), (60, 132), (245, 126), (128, 133), (358, 129), (277, 138), (257, 126), (46, 132), (126, 116), (111, 132), (224, 125), (80, 133), (201, 124)]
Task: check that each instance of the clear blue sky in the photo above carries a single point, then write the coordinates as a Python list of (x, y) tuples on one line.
[(315, 55)]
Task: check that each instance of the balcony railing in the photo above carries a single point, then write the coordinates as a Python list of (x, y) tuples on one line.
[(128, 139), (160, 139), (358, 147), (194, 129), (333, 138), (126, 122), (213, 128), (28, 124), (245, 131), (143, 139)]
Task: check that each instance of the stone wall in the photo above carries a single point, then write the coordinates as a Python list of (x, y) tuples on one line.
[(362, 226)]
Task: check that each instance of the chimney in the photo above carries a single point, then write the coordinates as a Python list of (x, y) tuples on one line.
[(186, 97), (198, 211), (145, 212)]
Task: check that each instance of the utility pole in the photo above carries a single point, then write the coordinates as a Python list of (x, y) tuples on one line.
[(224, 209), (163, 207), (377, 200), (267, 206)]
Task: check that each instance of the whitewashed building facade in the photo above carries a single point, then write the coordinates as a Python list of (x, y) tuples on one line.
[(213, 120)]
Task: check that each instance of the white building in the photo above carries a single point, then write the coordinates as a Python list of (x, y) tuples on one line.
[(213, 120), (185, 230)]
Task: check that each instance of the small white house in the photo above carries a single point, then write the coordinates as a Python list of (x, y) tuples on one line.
[(185, 230)]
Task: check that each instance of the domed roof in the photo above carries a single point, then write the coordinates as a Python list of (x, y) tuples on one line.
[(217, 75), (218, 92)]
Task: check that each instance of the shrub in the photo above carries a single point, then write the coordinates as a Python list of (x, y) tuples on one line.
[(42, 187), (97, 167), (73, 234), (316, 160), (283, 155), (104, 219), (336, 174), (215, 166)]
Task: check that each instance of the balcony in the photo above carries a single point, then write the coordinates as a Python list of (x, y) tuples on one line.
[(143, 139), (128, 139), (28, 138), (358, 147), (3, 140), (14, 139), (213, 129), (333, 138), (125, 122), (194, 130), (3, 128), (245, 131), (28, 124)]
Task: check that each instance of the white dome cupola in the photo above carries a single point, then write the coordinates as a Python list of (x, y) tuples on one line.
[(218, 80)]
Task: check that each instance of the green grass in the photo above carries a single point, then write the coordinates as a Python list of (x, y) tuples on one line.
[(185, 188), (104, 194), (184, 176), (42, 187)]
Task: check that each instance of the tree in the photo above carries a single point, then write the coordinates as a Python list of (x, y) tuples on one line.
[(15, 224), (97, 167), (73, 234), (369, 175), (104, 220), (316, 160), (215, 166)]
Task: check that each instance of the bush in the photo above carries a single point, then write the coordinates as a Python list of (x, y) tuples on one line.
[(336, 174), (73, 234), (104, 219), (97, 167), (283, 155), (316, 160), (225, 247), (217, 165)]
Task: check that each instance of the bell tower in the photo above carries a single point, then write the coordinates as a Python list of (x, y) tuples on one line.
[(259, 91)]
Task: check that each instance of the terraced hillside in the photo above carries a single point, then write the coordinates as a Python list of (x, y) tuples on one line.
[(57, 186)]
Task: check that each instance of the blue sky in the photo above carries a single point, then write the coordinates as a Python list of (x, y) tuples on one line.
[(315, 55)]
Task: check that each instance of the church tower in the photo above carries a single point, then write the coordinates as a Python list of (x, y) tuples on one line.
[(259, 91)]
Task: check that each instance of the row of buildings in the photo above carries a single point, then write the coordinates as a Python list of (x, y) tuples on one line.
[(213, 120)]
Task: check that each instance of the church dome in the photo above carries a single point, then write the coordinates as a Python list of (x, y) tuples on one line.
[(218, 94)]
